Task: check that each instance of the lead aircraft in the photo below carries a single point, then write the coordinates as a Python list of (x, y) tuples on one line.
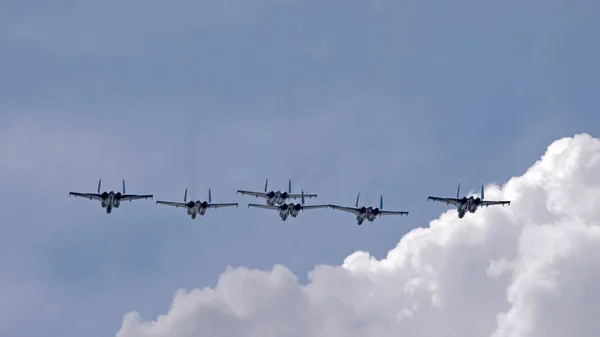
[(285, 210), (470, 204), (277, 198), (368, 213), (108, 200), (195, 208)]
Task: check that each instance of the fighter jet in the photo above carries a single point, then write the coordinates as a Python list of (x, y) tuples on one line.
[(368, 213), (195, 208), (292, 209), (108, 200), (469, 204), (276, 198)]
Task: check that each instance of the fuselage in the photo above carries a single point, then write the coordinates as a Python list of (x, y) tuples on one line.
[(469, 204), (276, 198), (286, 210), (110, 200), (195, 208), (366, 213)]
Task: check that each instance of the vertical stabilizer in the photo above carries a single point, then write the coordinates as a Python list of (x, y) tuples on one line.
[(266, 184), (99, 183), (290, 187), (357, 198), (380, 203), (482, 196), (458, 191), (209, 196), (302, 199), (123, 186), (185, 196)]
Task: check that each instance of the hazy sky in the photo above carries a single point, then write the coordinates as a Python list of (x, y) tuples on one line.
[(404, 98)]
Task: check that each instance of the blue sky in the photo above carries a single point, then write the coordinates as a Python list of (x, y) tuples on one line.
[(405, 98)]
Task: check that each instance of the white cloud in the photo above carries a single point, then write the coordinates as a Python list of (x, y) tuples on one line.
[(528, 270)]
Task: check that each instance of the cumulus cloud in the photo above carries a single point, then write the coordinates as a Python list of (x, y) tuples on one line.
[(528, 270)]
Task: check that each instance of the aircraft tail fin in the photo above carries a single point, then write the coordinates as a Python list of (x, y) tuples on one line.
[(458, 191), (123, 186), (380, 203), (266, 184), (185, 196), (290, 187), (209, 196), (357, 198), (482, 196), (302, 199), (99, 183)]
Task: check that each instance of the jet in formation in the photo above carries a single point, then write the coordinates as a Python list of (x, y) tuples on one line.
[(276, 197), (278, 201), (367, 213), (108, 200), (195, 208), (470, 204), (285, 210)]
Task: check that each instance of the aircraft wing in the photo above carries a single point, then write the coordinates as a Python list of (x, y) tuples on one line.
[(91, 196), (298, 196), (393, 213), (254, 194), (215, 206), (314, 206), (447, 201), (131, 197), (171, 203), (264, 206), (345, 209), (487, 203)]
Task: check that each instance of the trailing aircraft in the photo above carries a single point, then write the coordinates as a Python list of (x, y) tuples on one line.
[(470, 204), (276, 197), (367, 213), (285, 210), (108, 200), (195, 208)]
